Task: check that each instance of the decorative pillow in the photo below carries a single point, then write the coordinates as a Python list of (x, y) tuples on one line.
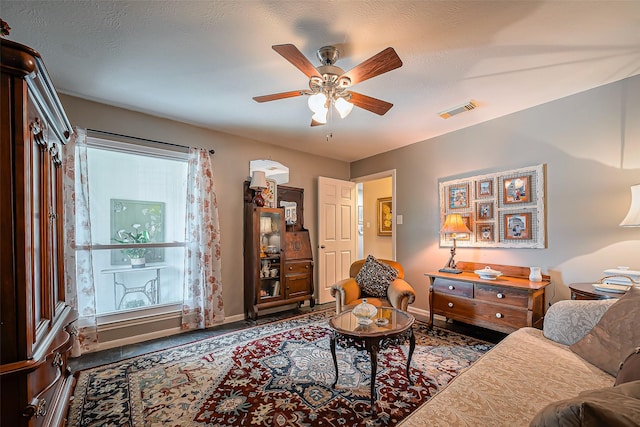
[(615, 336), (630, 368), (375, 277), (611, 406)]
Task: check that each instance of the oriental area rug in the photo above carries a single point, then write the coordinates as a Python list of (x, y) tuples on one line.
[(276, 374)]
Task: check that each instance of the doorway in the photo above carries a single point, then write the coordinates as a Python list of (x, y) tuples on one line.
[(373, 238)]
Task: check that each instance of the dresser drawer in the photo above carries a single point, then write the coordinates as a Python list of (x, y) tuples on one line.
[(297, 267), (453, 306), (503, 295), (499, 317), (452, 287), (504, 317)]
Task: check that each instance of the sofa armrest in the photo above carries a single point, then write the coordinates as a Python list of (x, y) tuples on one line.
[(566, 322), (344, 292), (400, 294)]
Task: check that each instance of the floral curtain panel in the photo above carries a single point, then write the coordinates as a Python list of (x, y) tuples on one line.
[(79, 284), (202, 306)]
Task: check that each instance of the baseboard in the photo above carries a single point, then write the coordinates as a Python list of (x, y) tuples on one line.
[(151, 335), (418, 311)]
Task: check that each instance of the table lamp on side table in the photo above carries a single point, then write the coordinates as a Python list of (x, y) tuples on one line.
[(633, 216), (453, 225), (258, 183), (631, 220)]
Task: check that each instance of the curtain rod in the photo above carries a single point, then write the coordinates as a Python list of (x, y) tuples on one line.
[(142, 139)]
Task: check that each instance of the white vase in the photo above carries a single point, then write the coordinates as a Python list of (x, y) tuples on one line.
[(535, 275), (364, 312), (138, 262)]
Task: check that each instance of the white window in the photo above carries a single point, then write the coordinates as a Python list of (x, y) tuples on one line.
[(137, 207)]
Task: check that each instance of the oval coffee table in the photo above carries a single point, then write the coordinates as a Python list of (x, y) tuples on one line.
[(372, 338)]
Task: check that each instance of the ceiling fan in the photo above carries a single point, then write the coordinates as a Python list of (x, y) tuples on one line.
[(329, 85)]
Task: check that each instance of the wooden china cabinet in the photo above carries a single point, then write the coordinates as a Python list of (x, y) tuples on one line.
[(35, 328), (278, 264)]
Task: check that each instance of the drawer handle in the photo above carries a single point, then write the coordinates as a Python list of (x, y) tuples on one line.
[(499, 315), (39, 409), (450, 305), (290, 268), (500, 295), (306, 266), (451, 287)]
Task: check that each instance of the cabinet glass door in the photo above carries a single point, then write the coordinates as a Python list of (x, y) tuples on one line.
[(270, 255)]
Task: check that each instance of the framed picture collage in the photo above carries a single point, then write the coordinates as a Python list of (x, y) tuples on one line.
[(504, 209)]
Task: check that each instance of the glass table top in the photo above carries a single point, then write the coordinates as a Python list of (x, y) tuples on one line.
[(387, 321)]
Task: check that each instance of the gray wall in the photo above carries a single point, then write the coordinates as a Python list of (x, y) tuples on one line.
[(590, 143), (230, 169)]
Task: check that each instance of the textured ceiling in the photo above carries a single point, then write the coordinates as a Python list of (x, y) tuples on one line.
[(201, 62)]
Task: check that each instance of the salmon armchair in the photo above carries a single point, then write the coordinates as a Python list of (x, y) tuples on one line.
[(348, 294)]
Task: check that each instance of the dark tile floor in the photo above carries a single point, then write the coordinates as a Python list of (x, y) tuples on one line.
[(91, 360)]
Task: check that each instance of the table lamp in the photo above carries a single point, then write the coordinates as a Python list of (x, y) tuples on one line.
[(453, 225), (258, 183), (633, 216)]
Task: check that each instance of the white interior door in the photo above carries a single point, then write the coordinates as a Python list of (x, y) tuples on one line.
[(337, 240)]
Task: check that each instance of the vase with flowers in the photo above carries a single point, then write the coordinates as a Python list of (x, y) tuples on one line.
[(137, 236)]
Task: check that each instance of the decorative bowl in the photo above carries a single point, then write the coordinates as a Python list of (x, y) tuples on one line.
[(364, 312), (488, 273)]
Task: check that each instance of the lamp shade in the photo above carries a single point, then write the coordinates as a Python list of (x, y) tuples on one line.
[(258, 180), (344, 107), (317, 102), (454, 224), (633, 216), (321, 115)]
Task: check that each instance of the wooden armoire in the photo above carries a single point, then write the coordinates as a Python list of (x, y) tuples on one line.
[(35, 320)]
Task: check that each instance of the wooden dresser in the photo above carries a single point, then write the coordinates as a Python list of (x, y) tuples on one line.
[(508, 303), (35, 336)]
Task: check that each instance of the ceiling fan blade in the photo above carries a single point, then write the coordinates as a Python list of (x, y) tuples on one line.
[(316, 123), (293, 55), (380, 63), (374, 105), (281, 95)]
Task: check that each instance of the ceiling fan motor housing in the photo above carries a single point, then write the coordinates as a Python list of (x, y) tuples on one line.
[(328, 55)]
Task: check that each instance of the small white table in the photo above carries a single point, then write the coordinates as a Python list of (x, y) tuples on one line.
[(150, 289)]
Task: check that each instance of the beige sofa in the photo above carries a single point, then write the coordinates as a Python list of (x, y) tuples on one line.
[(522, 374)]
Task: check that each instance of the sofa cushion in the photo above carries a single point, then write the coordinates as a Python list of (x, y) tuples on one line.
[(568, 321), (375, 277), (615, 336), (610, 406), (630, 368)]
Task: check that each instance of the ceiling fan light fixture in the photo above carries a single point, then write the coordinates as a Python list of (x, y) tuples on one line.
[(320, 116), (343, 106), (317, 102)]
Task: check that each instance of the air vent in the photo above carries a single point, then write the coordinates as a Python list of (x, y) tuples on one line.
[(459, 109)]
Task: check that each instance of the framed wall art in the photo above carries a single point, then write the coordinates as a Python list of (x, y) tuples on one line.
[(485, 233), (516, 226), (484, 188), (139, 217), (385, 217), (504, 209), (484, 211), (458, 196), (516, 189)]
